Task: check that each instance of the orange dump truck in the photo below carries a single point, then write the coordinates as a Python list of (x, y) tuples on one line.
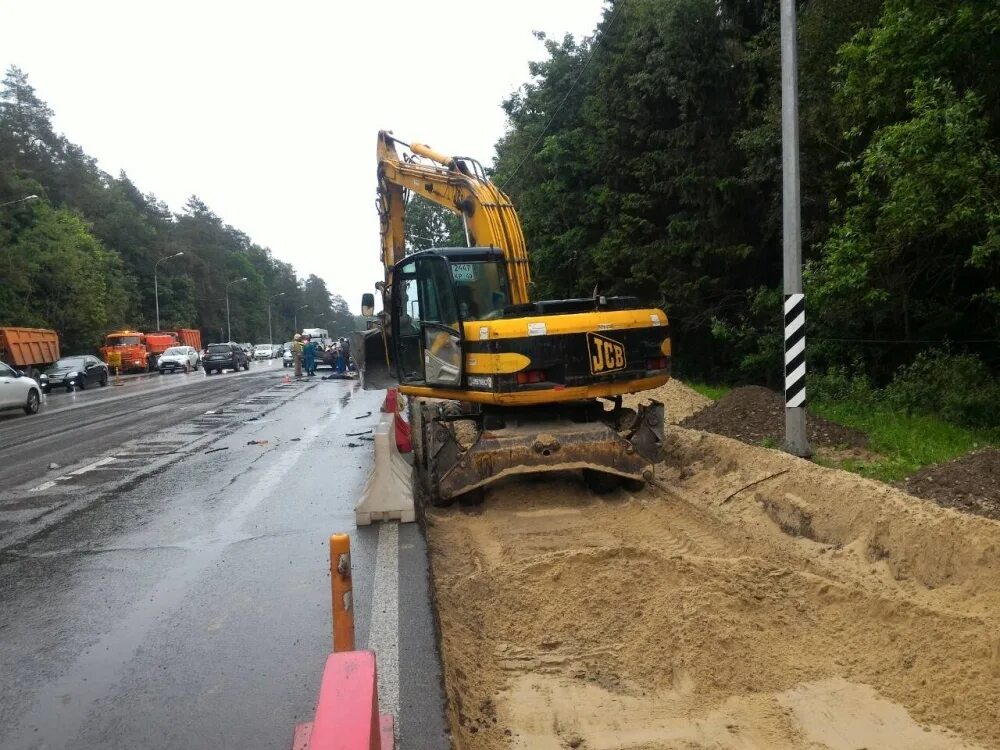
[(127, 350), (30, 350), (180, 337)]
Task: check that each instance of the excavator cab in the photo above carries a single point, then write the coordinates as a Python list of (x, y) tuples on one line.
[(432, 294), (426, 328)]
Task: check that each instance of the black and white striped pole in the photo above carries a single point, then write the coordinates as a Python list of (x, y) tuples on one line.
[(795, 304)]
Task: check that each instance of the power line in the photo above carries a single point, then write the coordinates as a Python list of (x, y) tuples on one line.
[(907, 341), (593, 49)]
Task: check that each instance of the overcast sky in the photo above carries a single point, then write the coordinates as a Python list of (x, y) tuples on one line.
[(268, 111)]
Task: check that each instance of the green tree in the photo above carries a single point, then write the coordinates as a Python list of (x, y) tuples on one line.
[(430, 225)]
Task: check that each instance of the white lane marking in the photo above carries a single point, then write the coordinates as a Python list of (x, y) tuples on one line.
[(42, 486), (91, 467), (383, 635)]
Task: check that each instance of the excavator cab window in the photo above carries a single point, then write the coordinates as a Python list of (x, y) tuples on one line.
[(426, 327), (481, 289)]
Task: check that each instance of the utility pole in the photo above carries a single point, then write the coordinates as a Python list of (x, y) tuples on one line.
[(796, 441), (270, 336), (229, 328), (156, 285), (296, 318)]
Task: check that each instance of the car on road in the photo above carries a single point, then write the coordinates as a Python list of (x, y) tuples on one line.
[(287, 360), (263, 351), (225, 357), (75, 372), (176, 358), (18, 391)]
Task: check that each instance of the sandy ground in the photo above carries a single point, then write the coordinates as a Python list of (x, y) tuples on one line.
[(748, 599)]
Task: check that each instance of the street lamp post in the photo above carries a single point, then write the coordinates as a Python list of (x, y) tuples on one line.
[(270, 336), (20, 200), (156, 285), (229, 328), (296, 317)]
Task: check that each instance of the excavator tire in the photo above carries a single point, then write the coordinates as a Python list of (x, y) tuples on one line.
[(599, 482)]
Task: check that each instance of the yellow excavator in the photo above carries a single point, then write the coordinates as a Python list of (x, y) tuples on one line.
[(499, 384)]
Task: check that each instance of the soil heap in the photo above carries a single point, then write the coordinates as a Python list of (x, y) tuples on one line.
[(754, 414), (970, 483)]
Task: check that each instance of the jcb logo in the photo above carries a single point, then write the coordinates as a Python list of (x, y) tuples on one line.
[(606, 355)]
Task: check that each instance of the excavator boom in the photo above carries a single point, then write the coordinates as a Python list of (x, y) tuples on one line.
[(460, 185)]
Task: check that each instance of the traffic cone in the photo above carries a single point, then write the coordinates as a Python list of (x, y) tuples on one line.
[(286, 380)]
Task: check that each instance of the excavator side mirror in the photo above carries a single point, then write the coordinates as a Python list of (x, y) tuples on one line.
[(367, 304)]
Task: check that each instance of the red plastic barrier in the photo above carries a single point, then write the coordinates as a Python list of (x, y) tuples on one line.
[(391, 403), (347, 716), (391, 406), (403, 442)]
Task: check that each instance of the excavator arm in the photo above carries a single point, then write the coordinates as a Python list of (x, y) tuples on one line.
[(460, 185)]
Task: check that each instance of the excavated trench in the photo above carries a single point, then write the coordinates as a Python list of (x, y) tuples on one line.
[(747, 599)]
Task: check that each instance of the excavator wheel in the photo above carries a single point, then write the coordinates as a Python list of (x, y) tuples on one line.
[(600, 483), (633, 485), (425, 475)]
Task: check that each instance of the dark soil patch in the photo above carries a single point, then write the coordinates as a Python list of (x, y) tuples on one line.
[(970, 483), (754, 415)]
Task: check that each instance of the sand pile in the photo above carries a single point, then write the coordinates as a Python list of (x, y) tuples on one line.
[(679, 401), (748, 600)]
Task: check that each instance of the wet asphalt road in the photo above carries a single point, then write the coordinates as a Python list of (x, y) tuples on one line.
[(168, 585)]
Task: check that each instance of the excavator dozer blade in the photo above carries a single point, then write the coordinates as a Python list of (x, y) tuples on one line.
[(371, 354), (532, 446)]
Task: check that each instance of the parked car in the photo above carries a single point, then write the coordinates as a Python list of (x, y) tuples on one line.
[(247, 348), (263, 351), (286, 357), (225, 357), (75, 372), (18, 391), (175, 358)]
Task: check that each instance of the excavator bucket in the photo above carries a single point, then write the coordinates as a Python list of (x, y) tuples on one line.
[(371, 351)]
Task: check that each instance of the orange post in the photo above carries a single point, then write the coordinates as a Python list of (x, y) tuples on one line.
[(340, 584)]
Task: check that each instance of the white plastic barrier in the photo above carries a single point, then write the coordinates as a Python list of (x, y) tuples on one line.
[(388, 496)]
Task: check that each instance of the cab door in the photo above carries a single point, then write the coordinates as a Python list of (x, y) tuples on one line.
[(426, 330)]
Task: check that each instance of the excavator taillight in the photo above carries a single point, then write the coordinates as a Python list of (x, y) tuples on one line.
[(531, 376), (658, 363)]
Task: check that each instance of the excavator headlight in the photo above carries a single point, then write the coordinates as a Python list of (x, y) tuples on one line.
[(480, 381)]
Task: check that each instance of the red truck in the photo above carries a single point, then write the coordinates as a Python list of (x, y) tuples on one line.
[(126, 351), (30, 350), (182, 337), (135, 351)]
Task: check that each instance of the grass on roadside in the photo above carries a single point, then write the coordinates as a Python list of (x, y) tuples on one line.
[(906, 442), (714, 392)]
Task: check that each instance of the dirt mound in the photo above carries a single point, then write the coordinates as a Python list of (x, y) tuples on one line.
[(679, 401), (970, 483), (754, 414), (748, 599)]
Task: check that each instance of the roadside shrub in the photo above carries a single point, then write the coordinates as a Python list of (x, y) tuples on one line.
[(842, 384), (958, 388)]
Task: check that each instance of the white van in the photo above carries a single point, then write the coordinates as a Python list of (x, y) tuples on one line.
[(320, 335)]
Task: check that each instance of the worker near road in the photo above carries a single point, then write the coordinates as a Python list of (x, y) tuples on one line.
[(309, 354), (297, 349)]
